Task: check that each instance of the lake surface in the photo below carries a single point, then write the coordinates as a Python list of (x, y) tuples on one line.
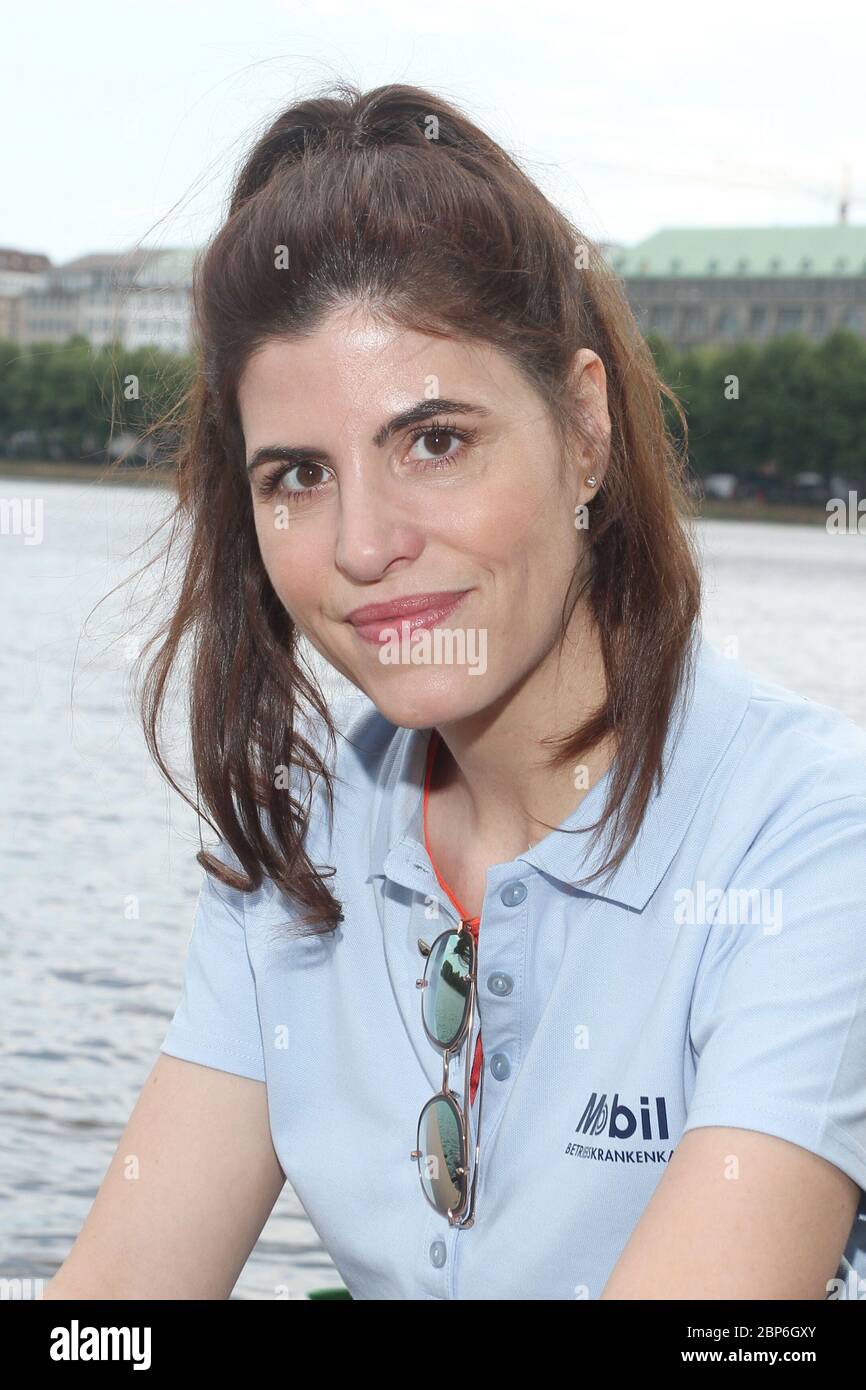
[(91, 835)]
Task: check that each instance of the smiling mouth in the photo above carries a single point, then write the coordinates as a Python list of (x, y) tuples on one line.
[(410, 614)]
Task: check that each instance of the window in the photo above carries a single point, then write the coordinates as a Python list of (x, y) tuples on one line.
[(661, 318)]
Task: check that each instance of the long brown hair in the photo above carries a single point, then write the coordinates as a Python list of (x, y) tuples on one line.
[(394, 198)]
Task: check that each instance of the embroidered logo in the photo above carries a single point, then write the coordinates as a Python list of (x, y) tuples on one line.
[(617, 1121)]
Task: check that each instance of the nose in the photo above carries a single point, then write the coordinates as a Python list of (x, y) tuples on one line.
[(374, 533)]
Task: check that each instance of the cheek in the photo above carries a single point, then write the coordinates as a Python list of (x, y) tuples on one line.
[(292, 560), (496, 519), (522, 532)]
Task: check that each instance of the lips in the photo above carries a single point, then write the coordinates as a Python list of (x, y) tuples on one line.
[(415, 611)]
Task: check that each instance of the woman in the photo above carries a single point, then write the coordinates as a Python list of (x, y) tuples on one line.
[(559, 856)]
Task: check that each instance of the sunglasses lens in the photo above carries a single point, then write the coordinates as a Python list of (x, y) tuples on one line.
[(441, 1154), (445, 1001)]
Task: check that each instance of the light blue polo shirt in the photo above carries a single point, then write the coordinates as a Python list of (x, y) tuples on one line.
[(719, 978)]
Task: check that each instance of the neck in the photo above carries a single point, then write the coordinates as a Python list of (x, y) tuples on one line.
[(494, 765)]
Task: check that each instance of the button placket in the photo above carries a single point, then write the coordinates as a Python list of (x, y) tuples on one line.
[(503, 945), (436, 1254)]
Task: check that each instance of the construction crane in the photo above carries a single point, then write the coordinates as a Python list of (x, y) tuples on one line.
[(767, 180)]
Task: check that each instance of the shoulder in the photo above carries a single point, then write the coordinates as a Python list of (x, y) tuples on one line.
[(787, 753)]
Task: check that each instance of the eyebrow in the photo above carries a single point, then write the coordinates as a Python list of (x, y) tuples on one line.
[(416, 414)]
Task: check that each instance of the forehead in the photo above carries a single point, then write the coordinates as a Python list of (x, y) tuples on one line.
[(356, 363)]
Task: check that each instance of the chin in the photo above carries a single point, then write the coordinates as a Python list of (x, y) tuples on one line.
[(428, 699)]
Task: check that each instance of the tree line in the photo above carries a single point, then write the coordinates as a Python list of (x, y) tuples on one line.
[(784, 408)]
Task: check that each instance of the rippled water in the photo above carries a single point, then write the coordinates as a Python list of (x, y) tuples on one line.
[(98, 878)]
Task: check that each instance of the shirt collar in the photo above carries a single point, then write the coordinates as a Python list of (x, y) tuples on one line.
[(706, 716)]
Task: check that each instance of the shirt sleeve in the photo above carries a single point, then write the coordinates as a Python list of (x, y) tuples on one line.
[(778, 1017), (216, 1022)]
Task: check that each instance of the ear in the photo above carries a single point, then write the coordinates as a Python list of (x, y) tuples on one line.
[(590, 395)]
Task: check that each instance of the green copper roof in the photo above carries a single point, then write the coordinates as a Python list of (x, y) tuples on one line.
[(837, 251)]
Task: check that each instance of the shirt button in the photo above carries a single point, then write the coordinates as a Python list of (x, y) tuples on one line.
[(500, 1066), (513, 893), (438, 1253), (499, 983)]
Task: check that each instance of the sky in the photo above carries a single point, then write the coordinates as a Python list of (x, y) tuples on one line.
[(123, 124)]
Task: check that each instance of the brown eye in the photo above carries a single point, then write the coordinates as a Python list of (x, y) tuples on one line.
[(295, 483), (441, 436), (308, 474), (443, 444)]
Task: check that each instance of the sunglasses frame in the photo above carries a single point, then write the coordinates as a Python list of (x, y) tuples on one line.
[(458, 1215)]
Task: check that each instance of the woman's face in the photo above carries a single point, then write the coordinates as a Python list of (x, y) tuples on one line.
[(462, 542)]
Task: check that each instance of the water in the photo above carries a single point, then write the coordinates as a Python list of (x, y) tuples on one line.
[(98, 877), (790, 602)]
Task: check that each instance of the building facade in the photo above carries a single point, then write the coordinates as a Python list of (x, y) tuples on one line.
[(138, 298), (746, 284), (690, 286)]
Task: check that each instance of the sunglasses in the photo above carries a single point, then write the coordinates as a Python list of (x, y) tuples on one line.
[(448, 995)]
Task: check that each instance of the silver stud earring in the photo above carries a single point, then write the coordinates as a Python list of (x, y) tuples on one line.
[(591, 481)]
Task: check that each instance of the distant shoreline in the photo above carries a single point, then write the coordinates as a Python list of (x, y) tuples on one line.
[(794, 513), (82, 472), (712, 509)]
